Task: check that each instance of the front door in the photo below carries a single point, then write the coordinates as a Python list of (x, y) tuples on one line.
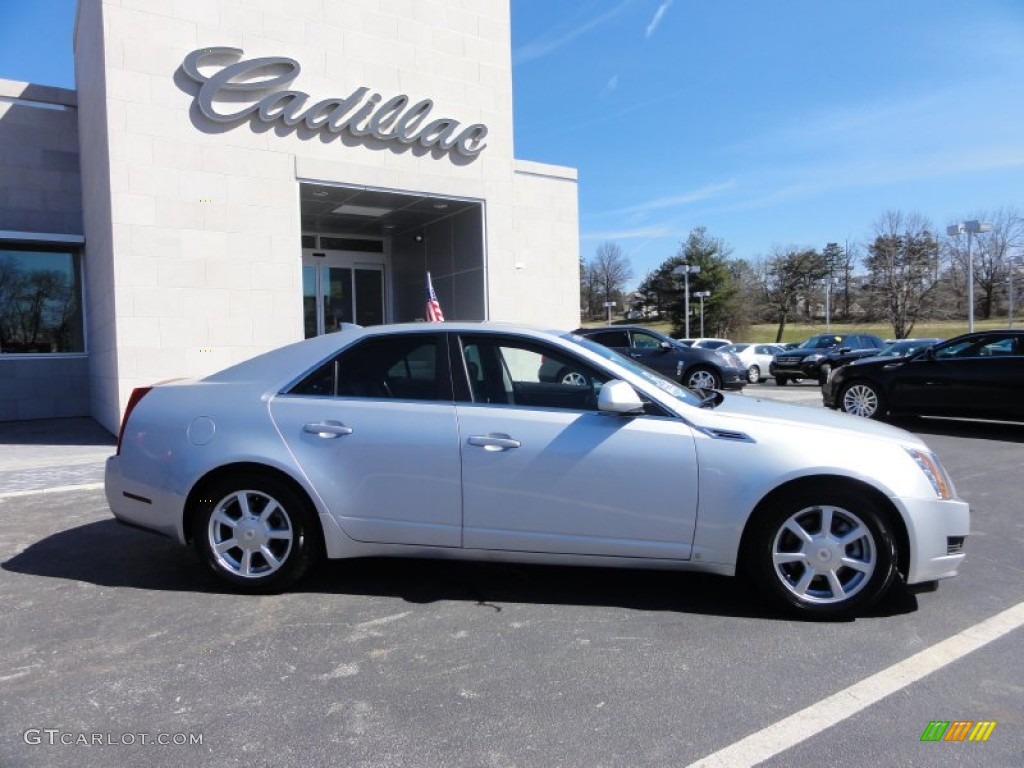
[(544, 471), (340, 287)]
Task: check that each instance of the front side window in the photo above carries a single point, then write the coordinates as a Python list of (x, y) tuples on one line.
[(645, 341), (520, 372), (40, 301), (389, 367)]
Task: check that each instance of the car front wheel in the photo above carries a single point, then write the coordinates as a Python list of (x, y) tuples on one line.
[(780, 381), (703, 378), (753, 374), (256, 533), (861, 398), (823, 554)]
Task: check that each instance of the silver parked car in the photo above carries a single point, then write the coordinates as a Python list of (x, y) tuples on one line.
[(442, 440), (756, 357)]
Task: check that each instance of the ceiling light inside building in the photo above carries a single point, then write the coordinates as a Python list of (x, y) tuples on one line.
[(361, 210)]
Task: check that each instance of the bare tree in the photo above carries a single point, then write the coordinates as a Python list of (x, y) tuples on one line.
[(991, 253), (612, 270), (901, 264)]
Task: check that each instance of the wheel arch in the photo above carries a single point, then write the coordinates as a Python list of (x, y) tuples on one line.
[(237, 468), (832, 483)]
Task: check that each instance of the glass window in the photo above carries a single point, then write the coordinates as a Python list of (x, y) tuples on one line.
[(645, 341), (402, 368), (40, 301), (525, 373), (611, 338)]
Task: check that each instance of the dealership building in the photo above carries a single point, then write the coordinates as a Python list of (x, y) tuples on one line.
[(234, 175)]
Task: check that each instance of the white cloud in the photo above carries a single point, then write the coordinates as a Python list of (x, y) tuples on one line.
[(676, 201), (610, 86), (658, 16), (543, 46)]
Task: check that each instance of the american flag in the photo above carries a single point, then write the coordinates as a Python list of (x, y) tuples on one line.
[(434, 313)]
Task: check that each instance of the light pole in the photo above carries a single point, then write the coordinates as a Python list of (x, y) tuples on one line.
[(686, 270), (970, 227), (701, 295)]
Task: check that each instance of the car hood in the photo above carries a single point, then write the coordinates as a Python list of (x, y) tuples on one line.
[(737, 410)]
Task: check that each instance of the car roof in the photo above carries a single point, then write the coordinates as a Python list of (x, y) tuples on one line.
[(289, 360)]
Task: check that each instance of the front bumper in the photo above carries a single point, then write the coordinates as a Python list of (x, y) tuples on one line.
[(936, 530)]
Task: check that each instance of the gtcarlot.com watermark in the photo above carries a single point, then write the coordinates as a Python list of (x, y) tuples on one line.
[(55, 737)]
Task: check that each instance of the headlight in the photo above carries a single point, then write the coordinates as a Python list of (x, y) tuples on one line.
[(934, 471), (813, 358)]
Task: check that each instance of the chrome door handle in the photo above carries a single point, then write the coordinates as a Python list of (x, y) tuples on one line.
[(494, 442), (327, 429)]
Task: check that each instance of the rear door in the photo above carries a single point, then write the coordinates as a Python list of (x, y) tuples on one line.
[(375, 432)]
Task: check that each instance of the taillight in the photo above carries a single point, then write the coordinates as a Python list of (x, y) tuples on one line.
[(137, 394)]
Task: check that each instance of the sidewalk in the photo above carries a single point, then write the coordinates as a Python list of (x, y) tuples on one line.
[(52, 453)]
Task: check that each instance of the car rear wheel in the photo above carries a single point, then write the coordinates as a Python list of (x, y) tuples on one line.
[(862, 398), (753, 374), (823, 553), (703, 378), (256, 533), (780, 381)]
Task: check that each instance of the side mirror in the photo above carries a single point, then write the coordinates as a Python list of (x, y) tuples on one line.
[(665, 346), (618, 396), (844, 350)]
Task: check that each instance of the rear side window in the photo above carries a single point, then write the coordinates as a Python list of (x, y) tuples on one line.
[(392, 367), (611, 338)]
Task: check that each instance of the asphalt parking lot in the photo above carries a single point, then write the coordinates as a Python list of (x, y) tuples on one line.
[(113, 642)]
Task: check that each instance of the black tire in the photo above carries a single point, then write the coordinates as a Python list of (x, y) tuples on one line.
[(780, 381), (823, 373), (753, 374), (702, 377), (862, 398), (277, 551), (809, 576)]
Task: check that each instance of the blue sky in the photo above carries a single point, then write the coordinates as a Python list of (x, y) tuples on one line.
[(788, 122)]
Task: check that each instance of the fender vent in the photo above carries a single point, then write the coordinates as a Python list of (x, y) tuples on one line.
[(725, 434)]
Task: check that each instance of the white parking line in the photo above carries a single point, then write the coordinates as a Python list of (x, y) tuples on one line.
[(811, 721), (55, 489)]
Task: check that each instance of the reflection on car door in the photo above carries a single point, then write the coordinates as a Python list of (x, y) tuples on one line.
[(985, 376), (375, 432), (544, 471)]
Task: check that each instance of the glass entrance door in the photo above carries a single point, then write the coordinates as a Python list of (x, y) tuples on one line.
[(337, 289)]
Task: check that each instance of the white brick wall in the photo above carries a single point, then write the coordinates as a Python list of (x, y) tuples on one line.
[(205, 224)]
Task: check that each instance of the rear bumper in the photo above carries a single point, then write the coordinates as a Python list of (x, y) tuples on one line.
[(142, 506)]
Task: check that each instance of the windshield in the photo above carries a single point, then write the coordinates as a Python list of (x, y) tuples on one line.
[(665, 384), (821, 342)]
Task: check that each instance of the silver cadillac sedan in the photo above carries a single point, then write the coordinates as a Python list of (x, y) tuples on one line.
[(444, 440)]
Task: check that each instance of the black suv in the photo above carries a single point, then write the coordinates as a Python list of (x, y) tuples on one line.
[(814, 358), (696, 368)]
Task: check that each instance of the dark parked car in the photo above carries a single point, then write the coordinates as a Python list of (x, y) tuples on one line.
[(693, 367), (818, 355), (978, 375)]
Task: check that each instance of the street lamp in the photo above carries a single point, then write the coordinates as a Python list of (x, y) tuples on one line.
[(701, 295), (686, 270), (971, 228)]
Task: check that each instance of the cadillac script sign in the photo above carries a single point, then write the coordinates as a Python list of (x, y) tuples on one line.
[(258, 88)]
